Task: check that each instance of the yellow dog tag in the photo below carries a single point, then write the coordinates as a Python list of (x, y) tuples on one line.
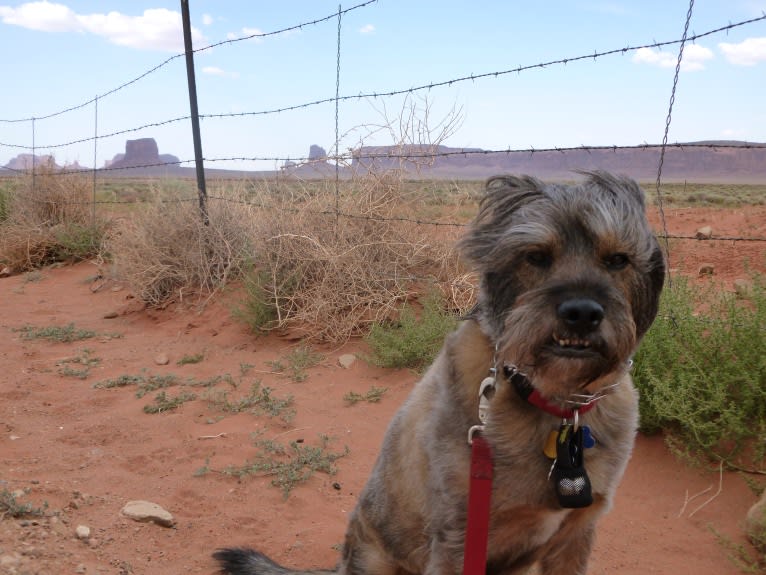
[(550, 444)]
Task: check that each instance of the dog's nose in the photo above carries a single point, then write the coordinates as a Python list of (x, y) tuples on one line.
[(581, 314)]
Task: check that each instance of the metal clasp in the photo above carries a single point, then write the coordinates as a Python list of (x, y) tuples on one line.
[(486, 391)]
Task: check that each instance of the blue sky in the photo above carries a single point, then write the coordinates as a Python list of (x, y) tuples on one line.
[(58, 55)]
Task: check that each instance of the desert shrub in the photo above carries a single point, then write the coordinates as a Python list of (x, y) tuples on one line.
[(701, 372), (48, 218), (165, 251), (332, 264), (414, 340)]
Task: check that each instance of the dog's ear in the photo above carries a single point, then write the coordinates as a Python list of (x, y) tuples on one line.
[(651, 289), (503, 196), (617, 186)]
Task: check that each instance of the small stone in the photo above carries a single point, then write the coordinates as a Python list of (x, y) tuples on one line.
[(706, 270), (161, 359), (82, 532), (704, 233), (81, 569), (346, 360), (111, 315), (743, 288), (5, 272), (755, 524), (146, 511)]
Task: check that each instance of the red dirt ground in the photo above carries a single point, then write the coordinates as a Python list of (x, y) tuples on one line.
[(86, 451)]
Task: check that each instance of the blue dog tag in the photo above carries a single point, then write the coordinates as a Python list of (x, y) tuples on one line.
[(588, 440)]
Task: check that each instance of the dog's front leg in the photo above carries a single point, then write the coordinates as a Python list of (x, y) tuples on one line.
[(568, 551)]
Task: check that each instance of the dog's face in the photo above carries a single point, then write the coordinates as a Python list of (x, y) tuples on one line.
[(570, 277)]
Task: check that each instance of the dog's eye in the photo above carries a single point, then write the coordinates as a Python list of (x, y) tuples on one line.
[(616, 262), (539, 259)]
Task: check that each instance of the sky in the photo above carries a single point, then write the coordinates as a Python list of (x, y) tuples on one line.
[(94, 56)]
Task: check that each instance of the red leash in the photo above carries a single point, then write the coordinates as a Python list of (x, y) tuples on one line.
[(479, 494)]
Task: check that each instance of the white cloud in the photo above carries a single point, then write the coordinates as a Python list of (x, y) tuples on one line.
[(207, 19), (367, 29), (749, 52), (215, 71), (694, 58), (43, 16), (155, 29)]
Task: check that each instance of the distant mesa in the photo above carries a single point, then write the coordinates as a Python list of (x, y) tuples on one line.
[(26, 161), (140, 153), (317, 153)]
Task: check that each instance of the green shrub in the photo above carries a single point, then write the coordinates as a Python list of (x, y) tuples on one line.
[(257, 309), (701, 373), (76, 242), (4, 204), (415, 339)]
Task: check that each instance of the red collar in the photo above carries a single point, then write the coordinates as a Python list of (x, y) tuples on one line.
[(527, 391)]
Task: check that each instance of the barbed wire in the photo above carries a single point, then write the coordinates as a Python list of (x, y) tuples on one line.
[(435, 153), (181, 55), (372, 95), (473, 77)]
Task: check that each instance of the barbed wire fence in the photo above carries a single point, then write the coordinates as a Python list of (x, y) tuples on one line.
[(359, 156)]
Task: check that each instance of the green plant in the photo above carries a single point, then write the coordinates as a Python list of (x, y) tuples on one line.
[(65, 334), (414, 340), (5, 199), (258, 401), (257, 308), (144, 383), (196, 358), (163, 403), (74, 241), (741, 556), (10, 507), (85, 360), (373, 395), (295, 363), (290, 465), (701, 370)]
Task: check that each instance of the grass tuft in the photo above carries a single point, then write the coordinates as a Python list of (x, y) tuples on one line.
[(289, 465), (64, 334), (373, 395)]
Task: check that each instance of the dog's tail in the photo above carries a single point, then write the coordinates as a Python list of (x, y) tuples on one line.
[(242, 561)]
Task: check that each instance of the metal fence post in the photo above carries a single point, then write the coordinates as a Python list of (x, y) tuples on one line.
[(201, 189)]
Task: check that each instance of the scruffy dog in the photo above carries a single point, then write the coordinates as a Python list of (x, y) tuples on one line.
[(570, 281)]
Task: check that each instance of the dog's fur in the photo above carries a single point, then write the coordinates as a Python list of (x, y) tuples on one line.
[(541, 251)]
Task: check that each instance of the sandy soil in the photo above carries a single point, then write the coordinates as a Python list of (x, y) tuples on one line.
[(87, 451)]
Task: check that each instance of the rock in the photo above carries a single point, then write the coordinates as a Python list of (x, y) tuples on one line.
[(146, 511), (706, 270), (755, 524), (161, 359), (704, 233), (346, 360), (5, 272), (82, 532), (111, 315), (743, 288), (317, 153), (141, 152)]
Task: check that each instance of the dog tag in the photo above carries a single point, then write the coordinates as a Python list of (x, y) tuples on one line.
[(570, 479), (588, 440), (550, 444)]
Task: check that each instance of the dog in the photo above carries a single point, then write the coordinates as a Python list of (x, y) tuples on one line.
[(570, 280)]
